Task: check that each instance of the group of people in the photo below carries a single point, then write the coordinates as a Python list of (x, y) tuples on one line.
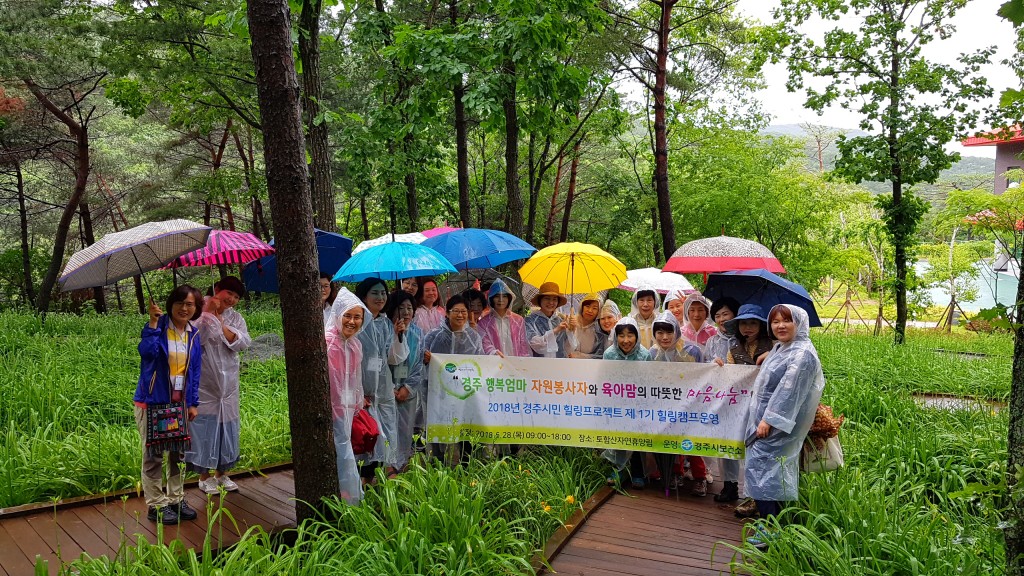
[(380, 340)]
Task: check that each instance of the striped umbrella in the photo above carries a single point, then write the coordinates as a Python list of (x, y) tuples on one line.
[(225, 247)]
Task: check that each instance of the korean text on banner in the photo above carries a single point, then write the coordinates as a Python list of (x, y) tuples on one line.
[(671, 407)]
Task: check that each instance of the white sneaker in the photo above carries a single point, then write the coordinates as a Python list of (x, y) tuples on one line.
[(227, 483), (209, 485)]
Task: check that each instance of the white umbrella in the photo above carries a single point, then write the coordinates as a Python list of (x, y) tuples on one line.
[(131, 252), (663, 282), (411, 238)]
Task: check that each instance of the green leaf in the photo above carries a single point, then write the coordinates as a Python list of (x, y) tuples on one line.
[(1013, 10)]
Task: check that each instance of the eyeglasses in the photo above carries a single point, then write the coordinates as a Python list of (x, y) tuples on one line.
[(185, 305), (459, 312)]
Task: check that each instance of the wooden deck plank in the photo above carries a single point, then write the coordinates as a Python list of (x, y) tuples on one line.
[(14, 559), (103, 527), (55, 537), (272, 498), (90, 542)]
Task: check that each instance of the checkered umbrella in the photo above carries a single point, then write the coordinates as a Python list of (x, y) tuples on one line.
[(132, 252)]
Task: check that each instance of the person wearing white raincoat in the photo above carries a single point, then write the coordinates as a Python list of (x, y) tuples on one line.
[(216, 430), (785, 399), (344, 368), (624, 333), (644, 309), (591, 340), (454, 336), (381, 348), (550, 333), (680, 351), (410, 389)]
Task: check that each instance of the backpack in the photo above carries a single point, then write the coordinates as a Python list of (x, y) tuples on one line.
[(365, 432)]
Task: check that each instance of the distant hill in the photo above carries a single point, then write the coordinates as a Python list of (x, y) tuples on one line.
[(970, 171)]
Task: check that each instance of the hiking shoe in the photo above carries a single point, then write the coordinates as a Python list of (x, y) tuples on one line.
[(762, 538), (615, 478), (638, 483), (747, 509), (700, 488), (163, 515), (227, 483), (210, 485), (730, 492), (185, 512), (676, 483)]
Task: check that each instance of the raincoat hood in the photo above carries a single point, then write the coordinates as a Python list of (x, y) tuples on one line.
[(634, 309), (695, 299), (615, 353), (800, 319), (499, 287), (609, 306), (344, 302), (666, 317)]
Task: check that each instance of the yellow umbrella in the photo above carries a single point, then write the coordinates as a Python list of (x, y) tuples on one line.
[(575, 267)]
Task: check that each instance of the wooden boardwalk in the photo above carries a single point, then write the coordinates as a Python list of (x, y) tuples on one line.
[(644, 533), (632, 534), (102, 526)]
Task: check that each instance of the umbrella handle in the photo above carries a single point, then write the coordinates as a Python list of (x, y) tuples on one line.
[(142, 275)]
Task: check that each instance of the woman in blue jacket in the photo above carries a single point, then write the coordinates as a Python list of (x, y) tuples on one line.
[(171, 360)]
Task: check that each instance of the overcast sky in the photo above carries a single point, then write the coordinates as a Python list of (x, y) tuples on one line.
[(977, 26)]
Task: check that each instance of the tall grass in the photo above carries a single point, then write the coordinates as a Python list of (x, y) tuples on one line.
[(66, 419), (922, 489), (488, 518)]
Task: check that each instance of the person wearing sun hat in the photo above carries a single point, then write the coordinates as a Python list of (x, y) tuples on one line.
[(550, 334)]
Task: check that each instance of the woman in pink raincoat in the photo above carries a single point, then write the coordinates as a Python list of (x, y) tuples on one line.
[(503, 331), (344, 367)]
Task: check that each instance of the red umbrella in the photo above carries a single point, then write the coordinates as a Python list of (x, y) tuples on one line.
[(721, 254), (225, 247)]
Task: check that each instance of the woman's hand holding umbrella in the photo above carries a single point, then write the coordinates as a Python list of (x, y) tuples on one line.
[(154, 313)]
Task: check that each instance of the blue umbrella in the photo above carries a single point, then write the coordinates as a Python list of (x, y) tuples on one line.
[(474, 248), (760, 287), (332, 249), (393, 261)]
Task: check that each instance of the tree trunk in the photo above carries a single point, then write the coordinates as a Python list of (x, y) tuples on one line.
[(514, 200), (309, 400), (366, 221), (26, 253), (654, 234), (571, 194), (668, 228), (80, 134), (312, 93), (411, 200), (99, 297), (461, 137), (897, 221), (550, 225), (1013, 534)]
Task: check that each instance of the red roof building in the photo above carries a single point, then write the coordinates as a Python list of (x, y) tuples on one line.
[(1009, 145)]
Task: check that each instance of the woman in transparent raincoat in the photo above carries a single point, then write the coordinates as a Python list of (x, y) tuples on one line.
[(644, 309), (453, 336), (410, 388), (550, 333), (626, 346), (785, 399), (381, 347), (591, 341), (215, 431), (345, 372)]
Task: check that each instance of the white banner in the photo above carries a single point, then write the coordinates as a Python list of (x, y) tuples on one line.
[(673, 407)]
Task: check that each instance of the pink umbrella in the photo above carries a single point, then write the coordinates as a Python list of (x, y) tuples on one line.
[(225, 247), (438, 231)]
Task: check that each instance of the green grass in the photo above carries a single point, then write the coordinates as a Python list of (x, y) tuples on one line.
[(488, 518), (67, 420)]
